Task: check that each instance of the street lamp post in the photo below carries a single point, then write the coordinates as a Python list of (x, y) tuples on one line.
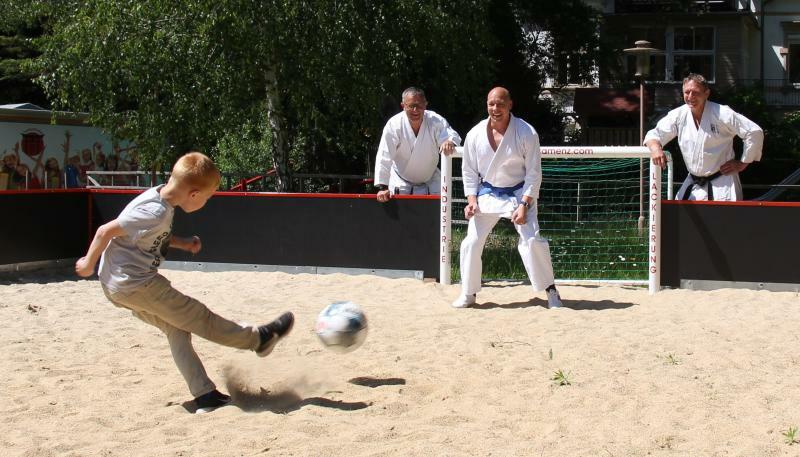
[(642, 51)]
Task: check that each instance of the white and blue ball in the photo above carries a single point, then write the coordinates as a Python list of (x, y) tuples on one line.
[(342, 326)]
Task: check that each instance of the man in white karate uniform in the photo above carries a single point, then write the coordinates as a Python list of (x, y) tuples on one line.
[(705, 132), (408, 154), (502, 173)]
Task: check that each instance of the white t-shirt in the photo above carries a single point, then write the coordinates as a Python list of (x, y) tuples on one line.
[(131, 260)]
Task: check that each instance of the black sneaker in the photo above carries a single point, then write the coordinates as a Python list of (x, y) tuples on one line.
[(211, 401), (274, 331)]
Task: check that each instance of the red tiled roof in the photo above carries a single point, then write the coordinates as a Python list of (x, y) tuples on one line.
[(608, 102)]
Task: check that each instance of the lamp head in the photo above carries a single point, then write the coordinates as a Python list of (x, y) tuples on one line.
[(642, 52)]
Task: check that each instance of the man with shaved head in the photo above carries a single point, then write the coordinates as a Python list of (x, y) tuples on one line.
[(502, 173)]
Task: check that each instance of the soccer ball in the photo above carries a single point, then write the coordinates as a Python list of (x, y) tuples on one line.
[(342, 326)]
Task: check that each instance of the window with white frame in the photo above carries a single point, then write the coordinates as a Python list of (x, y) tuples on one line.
[(794, 63), (790, 52), (693, 52), (793, 59), (682, 50)]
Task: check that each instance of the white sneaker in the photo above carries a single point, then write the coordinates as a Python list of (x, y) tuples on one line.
[(553, 299), (464, 301)]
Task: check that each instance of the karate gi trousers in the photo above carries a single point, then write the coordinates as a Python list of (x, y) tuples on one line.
[(533, 249)]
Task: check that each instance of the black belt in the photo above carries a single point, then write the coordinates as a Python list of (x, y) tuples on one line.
[(702, 181)]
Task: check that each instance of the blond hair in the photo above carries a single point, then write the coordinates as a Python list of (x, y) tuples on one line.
[(196, 170)]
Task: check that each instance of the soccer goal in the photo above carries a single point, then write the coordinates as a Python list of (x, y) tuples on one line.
[(599, 207)]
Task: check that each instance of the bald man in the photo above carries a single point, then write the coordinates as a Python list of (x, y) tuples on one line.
[(502, 173)]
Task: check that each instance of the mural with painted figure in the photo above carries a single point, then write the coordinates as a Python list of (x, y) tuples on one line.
[(58, 156)]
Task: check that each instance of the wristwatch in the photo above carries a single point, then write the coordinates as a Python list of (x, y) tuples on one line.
[(383, 187), (525, 204)]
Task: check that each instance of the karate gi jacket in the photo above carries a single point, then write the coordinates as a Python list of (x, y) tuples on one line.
[(707, 147), (405, 158), (517, 160)]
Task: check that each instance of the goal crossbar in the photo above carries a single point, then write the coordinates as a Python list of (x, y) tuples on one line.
[(652, 200)]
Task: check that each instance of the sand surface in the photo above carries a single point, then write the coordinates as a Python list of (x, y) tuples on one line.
[(680, 373)]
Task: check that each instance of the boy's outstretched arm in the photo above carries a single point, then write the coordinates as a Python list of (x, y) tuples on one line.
[(192, 244), (85, 265)]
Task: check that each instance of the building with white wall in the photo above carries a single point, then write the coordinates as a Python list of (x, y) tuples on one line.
[(45, 149)]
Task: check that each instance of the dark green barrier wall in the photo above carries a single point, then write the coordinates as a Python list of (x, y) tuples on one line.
[(345, 231), (43, 225), (747, 242)]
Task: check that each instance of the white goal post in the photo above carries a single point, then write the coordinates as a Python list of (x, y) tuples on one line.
[(650, 202)]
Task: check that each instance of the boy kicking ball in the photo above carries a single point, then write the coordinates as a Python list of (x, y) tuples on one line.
[(133, 246)]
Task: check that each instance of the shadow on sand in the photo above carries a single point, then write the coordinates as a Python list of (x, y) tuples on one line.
[(43, 276), (578, 305), (368, 381), (279, 402)]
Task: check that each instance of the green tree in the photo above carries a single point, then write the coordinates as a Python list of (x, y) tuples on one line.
[(781, 154), (538, 40), (17, 49), (175, 75), (313, 81)]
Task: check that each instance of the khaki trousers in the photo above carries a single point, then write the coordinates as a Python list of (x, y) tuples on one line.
[(178, 316)]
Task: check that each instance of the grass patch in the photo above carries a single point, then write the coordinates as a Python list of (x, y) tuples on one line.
[(588, 250), (670, 359), (790, 436), (560, 378)]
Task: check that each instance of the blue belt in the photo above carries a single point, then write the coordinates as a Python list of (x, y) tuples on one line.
[(487, 188)]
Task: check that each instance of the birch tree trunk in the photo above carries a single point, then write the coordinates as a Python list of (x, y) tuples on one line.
[(280, 150)]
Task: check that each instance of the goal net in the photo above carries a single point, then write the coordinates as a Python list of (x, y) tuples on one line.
[(599, 207)]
